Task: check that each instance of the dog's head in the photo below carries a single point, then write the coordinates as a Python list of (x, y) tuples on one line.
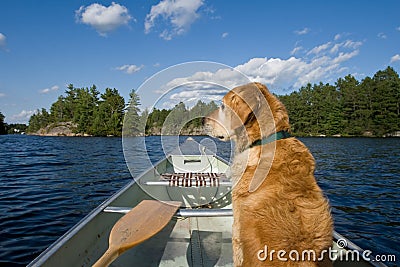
[(247, 113)]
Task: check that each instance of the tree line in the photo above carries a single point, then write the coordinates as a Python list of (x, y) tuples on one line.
[(178, 120), (107, 114), (348, 108), (370, 107)]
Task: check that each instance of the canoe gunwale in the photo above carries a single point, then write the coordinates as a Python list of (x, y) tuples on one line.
[(350, 246)]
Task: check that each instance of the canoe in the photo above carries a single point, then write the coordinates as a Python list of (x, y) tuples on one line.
[(198, 235)]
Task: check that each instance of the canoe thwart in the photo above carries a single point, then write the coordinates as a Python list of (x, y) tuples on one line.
[(191, 179), (204, 213), (182, 212), (168, 183)]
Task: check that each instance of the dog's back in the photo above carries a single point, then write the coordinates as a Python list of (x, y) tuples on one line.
[(287, 213)]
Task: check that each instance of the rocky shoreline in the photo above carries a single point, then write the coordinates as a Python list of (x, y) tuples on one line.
[(69, 129), (59, 129)]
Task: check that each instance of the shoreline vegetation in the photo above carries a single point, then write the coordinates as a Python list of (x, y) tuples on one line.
[(348, 108)]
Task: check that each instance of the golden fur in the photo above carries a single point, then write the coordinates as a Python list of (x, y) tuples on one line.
[(277, 203)]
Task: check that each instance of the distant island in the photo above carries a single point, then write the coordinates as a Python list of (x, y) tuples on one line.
[(13, 128), (86, 112), (370, 107)]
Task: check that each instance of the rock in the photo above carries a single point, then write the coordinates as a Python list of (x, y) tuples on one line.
[(368, 134), (59, 129)]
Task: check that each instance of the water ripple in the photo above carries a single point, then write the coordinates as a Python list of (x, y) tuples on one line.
[(361, 177)]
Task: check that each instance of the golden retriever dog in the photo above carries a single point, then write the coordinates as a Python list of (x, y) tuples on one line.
[(281, 217)]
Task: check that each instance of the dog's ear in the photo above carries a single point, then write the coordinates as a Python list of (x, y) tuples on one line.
[(254, 107), (244, 110), (239, 112)]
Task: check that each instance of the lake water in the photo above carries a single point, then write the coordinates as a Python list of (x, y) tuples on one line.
[(48, 184)]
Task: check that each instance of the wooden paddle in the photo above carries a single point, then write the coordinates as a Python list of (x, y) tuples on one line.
[(142, 222)]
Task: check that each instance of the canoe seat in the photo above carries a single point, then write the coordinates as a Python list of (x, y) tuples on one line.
[(190, 179)]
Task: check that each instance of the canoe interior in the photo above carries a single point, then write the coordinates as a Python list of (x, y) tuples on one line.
[(191, 197), (192, 241)]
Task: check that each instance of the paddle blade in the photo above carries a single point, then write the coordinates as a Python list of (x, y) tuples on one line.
[(142, 222)]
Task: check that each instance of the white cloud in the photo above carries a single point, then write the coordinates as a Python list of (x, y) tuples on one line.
[(180, 14), (335, 48), (318, 49), (3, 41), (337, 37), (398, 28), (166, 35), (351, 44), (2, 95), (103, 19), (130, 69), (382, 35), (345, 56), (223, 78), (22, 117), (224, 35), (395, 58), (276, 72), (348, 44), (191, 95), (49, 90), (324, 63), (296, 50), (302, 32), (294, 72)]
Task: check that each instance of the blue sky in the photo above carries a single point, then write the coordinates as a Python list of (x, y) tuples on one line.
[(47, 44)]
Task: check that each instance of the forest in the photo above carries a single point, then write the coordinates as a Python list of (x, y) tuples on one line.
[(370, 107), (107, 114)]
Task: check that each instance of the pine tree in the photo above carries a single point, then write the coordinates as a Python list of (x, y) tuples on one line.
[(58, 110), (349, 89), (133, 125), (176, 119), (386, 94), (109, 116)]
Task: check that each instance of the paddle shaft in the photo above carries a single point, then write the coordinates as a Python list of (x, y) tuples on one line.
[(108, 257)]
